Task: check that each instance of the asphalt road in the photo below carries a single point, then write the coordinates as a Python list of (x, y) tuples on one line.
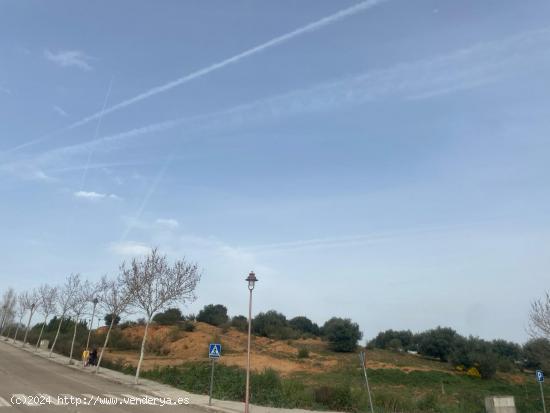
[(30, 383)]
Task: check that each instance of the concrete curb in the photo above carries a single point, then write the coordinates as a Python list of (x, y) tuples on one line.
[(153, 388)]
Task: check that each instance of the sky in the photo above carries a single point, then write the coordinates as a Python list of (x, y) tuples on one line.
[(384, 160)]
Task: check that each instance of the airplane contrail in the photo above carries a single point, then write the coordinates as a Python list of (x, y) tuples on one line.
[(308, 28), (96, 133)]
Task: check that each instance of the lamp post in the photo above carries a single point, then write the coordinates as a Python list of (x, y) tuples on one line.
[(251, 281), (95, 301)]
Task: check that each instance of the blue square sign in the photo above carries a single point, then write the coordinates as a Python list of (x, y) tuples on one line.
[(215, 351), (540, 376)]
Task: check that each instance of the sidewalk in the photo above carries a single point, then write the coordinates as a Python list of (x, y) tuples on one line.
[(152, 388)]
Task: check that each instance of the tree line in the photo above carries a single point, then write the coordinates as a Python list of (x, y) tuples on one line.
[(468, 353), (146, 285)]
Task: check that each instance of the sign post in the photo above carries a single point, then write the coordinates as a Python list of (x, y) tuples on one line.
[(363, 359), (540, 379), (214, 353)]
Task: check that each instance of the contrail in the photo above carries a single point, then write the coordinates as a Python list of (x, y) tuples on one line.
[(96, 133), (311, 27), (147, 196)]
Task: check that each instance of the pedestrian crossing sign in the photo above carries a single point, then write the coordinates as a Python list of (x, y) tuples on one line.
[(215, 351)]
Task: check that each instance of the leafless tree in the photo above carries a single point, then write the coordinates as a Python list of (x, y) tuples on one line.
[(8, 304), (48, 304), (33, 303), (64, 302), (115, 299), (539, 317), (23, 303), (155, 284), (79, 303)]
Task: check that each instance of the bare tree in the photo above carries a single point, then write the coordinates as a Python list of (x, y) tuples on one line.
[(115, 299), (154, 285), (539, 317), (64, 301), (80, 301), (48, 301), (8, 304), (23, 303), (34, 303)]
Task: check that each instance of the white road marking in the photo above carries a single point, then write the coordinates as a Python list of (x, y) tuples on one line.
[(4, 403)]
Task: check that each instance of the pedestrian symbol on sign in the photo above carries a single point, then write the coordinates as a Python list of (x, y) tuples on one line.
[(540, 376), (215, 351)]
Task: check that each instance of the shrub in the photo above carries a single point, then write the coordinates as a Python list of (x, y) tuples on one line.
[(536, 354), (169, 317), (439, 342), (109, 317), (342, 334), (304, 325), (334, 397), (273, 325), (303, 353), (213, 314), (393, 339), (240, 322), (187, 326)]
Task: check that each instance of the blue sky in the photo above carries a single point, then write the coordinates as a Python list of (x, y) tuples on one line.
[(382, 160)]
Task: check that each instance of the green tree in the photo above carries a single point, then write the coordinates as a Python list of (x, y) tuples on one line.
[(273, 325), (438, 342), (109, 317), (240, 322), (393, 339), (536, 354), (169, 317), (213, 314), (304, 325), (342, 334)]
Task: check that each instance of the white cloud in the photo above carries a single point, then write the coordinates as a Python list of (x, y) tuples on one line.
[(59, 110), (129, 248), (94, 196), (168, 223), (69, 58)]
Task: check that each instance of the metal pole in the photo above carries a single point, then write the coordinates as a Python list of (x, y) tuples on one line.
[(542, 397), (91, 326), (247, 399), (363, 359), (211, 383)]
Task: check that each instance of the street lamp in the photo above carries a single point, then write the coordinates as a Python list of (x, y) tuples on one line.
[(251, 281), (95, 301)]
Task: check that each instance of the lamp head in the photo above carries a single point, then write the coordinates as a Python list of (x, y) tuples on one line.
[(251, 280)]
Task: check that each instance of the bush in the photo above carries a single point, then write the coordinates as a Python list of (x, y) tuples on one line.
[(213, 314), (438, 343), (169, 317), (393, 339), (303, 353), (334, 397), (109, 317), (273, 325), (240, 322), (342, 334), (536, 354), (304, 325)]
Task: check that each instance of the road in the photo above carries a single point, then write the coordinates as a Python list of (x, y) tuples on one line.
[(31, 383)]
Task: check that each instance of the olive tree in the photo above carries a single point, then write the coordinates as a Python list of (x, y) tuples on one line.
[(48, 304), (115, 298), (33, 304), (155, 284), (64, 302), (539, 317)]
